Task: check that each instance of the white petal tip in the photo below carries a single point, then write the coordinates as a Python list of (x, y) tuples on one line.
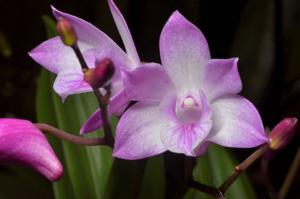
[(84, 130), (57, 174)]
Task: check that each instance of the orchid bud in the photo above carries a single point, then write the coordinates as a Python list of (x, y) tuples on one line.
[(282, 134), (101, 74), (66, 32), (21, 142)]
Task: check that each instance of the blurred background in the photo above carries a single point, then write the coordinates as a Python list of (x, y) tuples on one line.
[(265, 35)]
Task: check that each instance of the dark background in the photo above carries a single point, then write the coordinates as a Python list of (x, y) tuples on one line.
[(265, 35)]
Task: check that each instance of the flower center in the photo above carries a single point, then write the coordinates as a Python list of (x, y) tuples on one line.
[(188, 109), (188, 102)]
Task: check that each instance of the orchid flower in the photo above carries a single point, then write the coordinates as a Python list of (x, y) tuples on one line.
[(95, 45), (22, 143), (188, 103)]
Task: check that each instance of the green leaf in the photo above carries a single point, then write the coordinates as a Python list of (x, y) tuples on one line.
[(125, 179), (202, 173), (50, 26), (153, 185), (213, 169), (46, 114), (222, 164), (86, 168)]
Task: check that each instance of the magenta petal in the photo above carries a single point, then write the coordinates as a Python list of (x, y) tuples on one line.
[(125, 33), (138, 132), (117, 105), (70, 82), (236, 123), (149, 82), (184, 52), (221, 77), (22, 143)]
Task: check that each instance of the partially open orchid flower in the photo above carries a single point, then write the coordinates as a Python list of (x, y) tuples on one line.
[(95, 45), (189, 102), (23, 143)]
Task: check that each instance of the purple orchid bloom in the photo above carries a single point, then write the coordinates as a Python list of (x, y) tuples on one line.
[(22, 143), (188, 103), (95, 45)]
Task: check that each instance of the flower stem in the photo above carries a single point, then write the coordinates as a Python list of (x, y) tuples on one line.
[(79, 57), (103, 100), (206, 189), (290, 176), (242, 167), (71, 138), (189, 163)]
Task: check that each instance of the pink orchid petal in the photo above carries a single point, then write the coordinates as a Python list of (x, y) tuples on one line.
[(149, 82), (117, 105), (96, 42), (138, 132), (55, 56), (22, 143), (89, 36), (184, 52), (185, 138), (125, 33), (236, 123), (221, 77), (201, 149), (70, 82)]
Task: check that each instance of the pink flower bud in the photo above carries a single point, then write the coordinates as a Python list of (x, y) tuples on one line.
[(101, 74), (21, 142), (66, 32), (282, 134)]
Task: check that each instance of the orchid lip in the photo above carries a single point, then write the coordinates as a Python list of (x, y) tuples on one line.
[(189, 109)]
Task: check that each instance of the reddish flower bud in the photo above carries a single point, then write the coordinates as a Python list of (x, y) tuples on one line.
[(282, 134), (101, 74), (66, 32)]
